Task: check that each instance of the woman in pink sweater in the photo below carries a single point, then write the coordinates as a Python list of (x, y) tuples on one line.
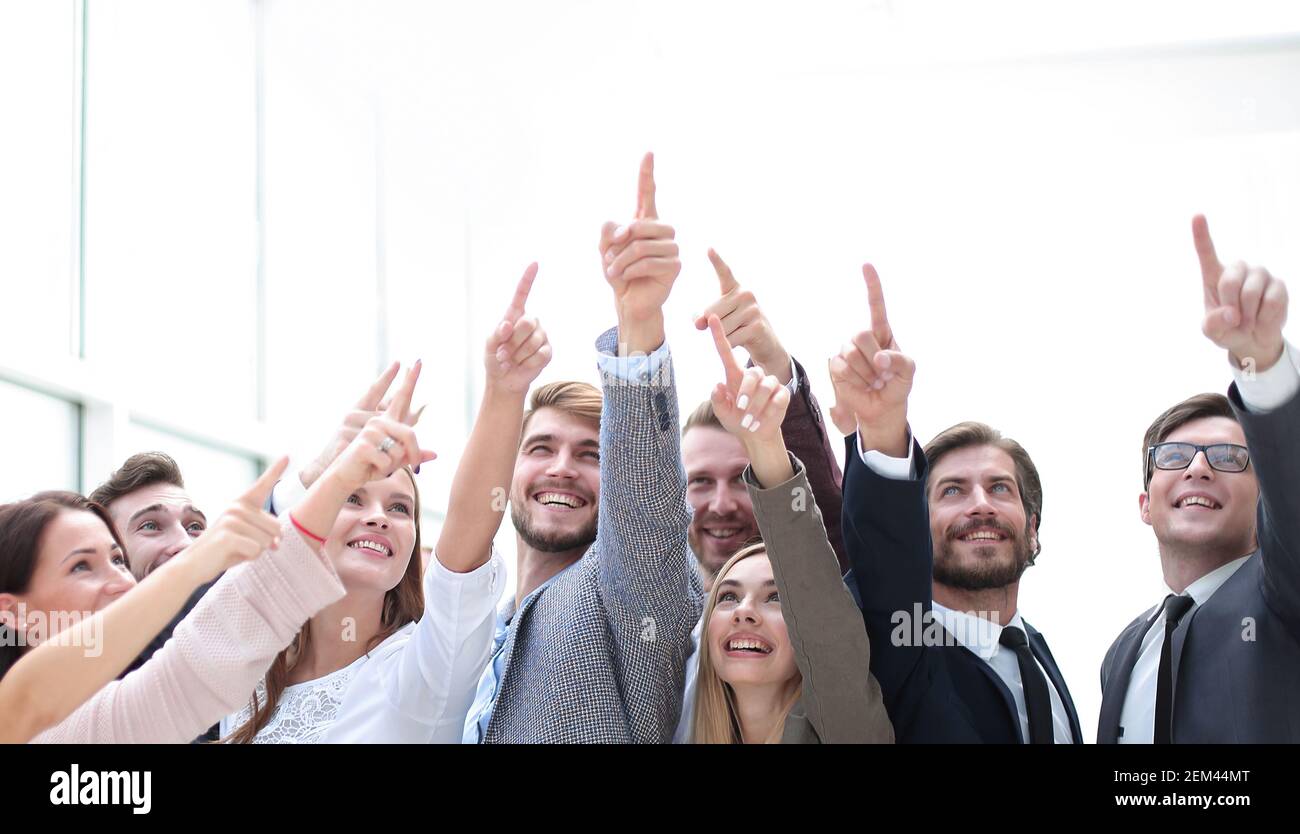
[(75, 563)]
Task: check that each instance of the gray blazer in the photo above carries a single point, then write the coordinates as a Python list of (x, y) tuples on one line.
[(841, 700), (1236, 659), (599, 654)]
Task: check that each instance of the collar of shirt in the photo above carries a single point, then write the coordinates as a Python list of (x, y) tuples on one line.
[(978, 634), (1202, 589)]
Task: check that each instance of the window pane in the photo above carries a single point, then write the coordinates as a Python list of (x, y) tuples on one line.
[(39, 101), (213, 477), (39, 442), (171, 300)]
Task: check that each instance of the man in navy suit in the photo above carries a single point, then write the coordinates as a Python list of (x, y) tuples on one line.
[(939, 539)]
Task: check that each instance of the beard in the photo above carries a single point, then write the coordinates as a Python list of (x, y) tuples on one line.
[(711, 554), (988, 572), (558, 541)]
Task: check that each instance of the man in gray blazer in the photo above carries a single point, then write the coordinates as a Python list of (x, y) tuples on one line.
[(1219, 659), (597, 653)]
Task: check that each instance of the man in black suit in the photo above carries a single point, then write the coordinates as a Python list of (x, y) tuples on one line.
[(938, 539), (1219, 659)]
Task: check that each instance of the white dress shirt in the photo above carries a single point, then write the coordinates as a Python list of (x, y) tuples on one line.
[(982, 637), (1263, 392), (1137, 721)]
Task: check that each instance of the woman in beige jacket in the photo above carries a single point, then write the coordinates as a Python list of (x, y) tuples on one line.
[(784, 655)]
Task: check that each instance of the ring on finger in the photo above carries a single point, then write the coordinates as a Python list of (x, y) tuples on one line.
[(386, 444)]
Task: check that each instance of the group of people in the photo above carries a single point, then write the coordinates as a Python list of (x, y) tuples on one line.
[(717, 582)]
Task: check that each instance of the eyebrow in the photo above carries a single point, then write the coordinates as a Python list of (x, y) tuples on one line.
[(396, 496), (550, 438), (735, 584), (153, 508), (88, 551)]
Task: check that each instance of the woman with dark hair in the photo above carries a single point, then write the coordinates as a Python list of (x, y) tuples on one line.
[(45, 675), (224, 646), (397, 658)]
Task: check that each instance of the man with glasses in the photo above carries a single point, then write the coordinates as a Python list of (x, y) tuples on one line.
[(1218, 660)]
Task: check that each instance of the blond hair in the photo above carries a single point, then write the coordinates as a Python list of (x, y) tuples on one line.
[(577, 399), (715, 720)]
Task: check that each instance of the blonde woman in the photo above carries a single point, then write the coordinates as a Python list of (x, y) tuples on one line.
[(784, 655)]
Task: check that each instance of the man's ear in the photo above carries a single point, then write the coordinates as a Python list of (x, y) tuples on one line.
[(1144, 507), (1034, 547)]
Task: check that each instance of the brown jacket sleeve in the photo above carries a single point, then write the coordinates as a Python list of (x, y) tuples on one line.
[(841, 700), (804, 433)]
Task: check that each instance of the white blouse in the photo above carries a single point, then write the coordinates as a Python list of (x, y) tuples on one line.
[(413, 688), (306, 710)]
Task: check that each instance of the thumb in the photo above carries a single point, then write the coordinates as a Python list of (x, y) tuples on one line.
[(1219, 322)]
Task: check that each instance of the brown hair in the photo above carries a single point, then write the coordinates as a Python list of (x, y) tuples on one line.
[(22, 526), (403, 604), (702, 417), (714, 720), (577, 399), (139, 471), (971, 433), (1192, 408)]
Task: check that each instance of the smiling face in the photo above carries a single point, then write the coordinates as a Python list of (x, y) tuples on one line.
[(373, 538), (79, 570), (982, 538), (748, 642), (156, 522), (723, 518), (1201, 508), (555, 493)]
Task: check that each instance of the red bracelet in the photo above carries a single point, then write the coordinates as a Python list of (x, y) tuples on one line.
[(309, 534)]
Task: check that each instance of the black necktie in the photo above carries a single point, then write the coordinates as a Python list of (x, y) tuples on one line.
[(1175, 608), (1038, 702)]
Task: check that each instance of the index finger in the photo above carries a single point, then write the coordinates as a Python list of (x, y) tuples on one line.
[(729, 363), (520, 300), (645, 190), (370, 400), (876, 299), (400, 407), (1211, 267), (257, 494), (726, 281)]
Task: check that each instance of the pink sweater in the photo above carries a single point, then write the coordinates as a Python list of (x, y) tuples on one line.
[(216, 656)]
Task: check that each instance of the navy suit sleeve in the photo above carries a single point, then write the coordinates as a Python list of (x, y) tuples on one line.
[(887, 536), (1273, 438)]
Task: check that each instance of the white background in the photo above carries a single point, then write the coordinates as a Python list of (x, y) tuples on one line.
[(219, 219)]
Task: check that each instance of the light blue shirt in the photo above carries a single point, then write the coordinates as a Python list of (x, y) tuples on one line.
[(485, 697), (638, 369)]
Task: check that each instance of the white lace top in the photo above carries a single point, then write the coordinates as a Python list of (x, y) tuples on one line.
[(305, 712)]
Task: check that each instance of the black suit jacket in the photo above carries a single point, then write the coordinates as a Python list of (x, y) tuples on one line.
[(1236, 659), (933, 693)]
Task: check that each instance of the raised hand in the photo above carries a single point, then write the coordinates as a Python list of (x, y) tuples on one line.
[(1245, 306), (518, 349), (385, 443), (370, 405), (242, 532), (641, 263), (749, 403), (745, 325), (872, 380)]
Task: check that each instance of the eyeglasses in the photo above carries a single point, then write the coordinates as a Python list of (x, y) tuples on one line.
[(1222, 457)]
